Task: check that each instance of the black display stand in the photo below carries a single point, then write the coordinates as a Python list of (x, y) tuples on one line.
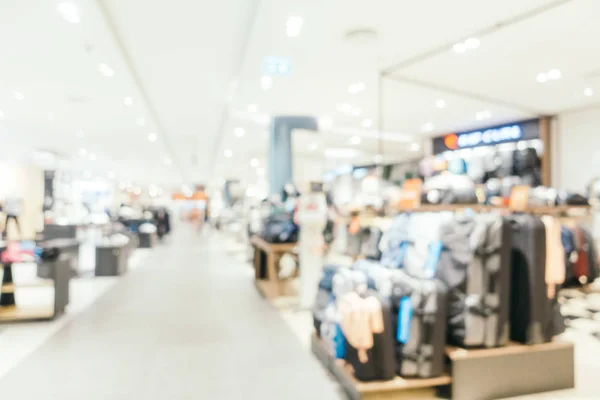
[(147, 240), (7, 299)]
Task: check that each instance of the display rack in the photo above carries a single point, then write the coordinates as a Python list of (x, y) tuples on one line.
[(59, 280), (476, 374), (266, 260)]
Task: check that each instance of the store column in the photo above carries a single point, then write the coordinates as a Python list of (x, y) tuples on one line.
[(280, 148)]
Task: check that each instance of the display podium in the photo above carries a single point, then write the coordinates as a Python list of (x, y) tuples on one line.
[(475, 374), (266, 260)]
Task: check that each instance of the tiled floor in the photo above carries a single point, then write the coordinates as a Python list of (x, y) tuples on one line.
[(187, 325)]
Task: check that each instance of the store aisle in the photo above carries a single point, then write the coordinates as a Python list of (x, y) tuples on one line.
[(188, 325)]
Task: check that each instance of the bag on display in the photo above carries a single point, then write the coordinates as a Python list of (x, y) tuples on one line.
[(449, 189), (280, 228), (530, 316), (475, 265)]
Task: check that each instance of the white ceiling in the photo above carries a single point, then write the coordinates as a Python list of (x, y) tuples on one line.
[(194, 67)]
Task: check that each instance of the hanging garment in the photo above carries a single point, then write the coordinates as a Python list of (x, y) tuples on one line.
[(568, 241), (530, 313), (581, 266), (366, 324), (475, 265), (324, 295), (592, 253), (419, 306), (418, 318), (555, 260), (370, 245)]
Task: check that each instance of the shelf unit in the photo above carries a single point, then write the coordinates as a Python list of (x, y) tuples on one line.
[(59, 280)]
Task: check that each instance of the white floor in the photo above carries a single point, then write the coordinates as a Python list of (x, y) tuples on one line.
[(17, 341)]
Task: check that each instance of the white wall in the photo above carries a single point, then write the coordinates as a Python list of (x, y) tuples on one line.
[(577, 149)]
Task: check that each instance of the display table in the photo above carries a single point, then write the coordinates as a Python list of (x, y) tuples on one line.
[(113, 260), (478, 374), (56, 231), (266, 266), (147, 240), (70, 247), (59, 278)]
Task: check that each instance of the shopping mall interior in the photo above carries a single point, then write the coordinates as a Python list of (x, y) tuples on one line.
[(296, 199)]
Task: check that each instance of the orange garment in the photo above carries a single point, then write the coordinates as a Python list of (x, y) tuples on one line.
[(555, 255), (354, 227), (360, 320)]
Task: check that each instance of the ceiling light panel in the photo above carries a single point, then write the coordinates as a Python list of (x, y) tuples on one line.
[(294, 26), (589, 92), (69, 12), (105, 70)]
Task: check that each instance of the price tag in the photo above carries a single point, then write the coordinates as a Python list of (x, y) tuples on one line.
[(410, 195)]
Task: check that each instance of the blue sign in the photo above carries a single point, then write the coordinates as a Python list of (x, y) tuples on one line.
[(489, 136), (525, 130), (277, 66)]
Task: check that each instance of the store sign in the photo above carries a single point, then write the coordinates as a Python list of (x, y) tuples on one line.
[(486, 137), (277, 66), (526, 130)]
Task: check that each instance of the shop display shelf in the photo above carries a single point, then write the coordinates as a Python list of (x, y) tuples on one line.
[(9, 314), (475, 374), (266, 260), (11, 287), (397, 388)]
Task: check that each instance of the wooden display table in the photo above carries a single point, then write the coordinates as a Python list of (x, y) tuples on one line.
[(266, 266), (478, 374)]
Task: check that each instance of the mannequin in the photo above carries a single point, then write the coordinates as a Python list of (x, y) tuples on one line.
[(312, 218)]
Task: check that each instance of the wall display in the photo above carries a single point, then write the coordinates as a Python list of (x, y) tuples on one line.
[(515, 132)]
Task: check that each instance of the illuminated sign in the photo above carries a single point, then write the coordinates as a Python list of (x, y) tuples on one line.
[(524, 130), (489, 136)]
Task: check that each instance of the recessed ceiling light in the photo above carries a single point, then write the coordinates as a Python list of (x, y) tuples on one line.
[(228, 153), (82, 152), (252, 108), (313, 146), (80, 133), (355, 140), (482, 115), (541, 77), (466, 45), (239, 132), (141, 121), (266, 82), (459, 48), (344, 107), (415, 147), (427, 127), (378, 158), (69, 12), (92, 157), (325, 123), (554, 74), (168, 161), (152, 137), (254, 162), (367, 123), (128, 101), (294, 26), (588, 92), (356, 87), (18, 95), (106, 70), (472, 43), (440, 103)]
